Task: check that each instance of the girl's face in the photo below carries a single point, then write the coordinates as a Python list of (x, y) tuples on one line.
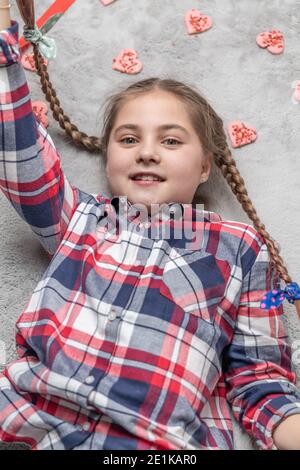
[(143, 145)]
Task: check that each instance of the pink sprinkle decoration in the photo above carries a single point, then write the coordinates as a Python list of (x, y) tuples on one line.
[(107, 2), (127, 62), (241, 134), (272, 40), (28, 62), (274, 291), (40, 109), (297, 91), (196, 22), (263, 305)]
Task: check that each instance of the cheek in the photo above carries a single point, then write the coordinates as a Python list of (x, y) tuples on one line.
[(111, 169), (183, 169), (116, 165)]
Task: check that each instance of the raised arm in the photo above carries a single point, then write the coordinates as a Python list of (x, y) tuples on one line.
[(31, 177)]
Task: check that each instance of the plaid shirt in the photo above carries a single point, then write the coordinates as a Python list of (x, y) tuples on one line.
[(132, 340)]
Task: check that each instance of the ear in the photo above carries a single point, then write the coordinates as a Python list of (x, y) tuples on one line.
[(206, 167)]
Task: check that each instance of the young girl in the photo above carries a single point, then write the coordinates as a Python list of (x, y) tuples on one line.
[(133, 339)]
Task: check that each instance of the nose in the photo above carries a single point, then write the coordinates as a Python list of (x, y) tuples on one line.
[(148, 153)]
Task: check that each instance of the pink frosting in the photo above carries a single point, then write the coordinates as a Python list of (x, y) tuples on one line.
[(297, 91), (27, 60), (127, 62), (107, 2), (196, 22), (40, 110), (241, 134), (272, 40)]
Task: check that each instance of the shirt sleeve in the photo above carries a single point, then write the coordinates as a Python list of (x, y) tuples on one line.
[(31, 177), (258, 370)]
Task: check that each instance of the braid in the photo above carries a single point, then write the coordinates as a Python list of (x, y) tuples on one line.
[(227, 165), (91, 143)]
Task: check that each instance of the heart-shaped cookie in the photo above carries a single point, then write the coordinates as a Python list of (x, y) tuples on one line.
[(127, 62), (272, 40), (27, 60), (241, 134), (297, 91), (196, 22), (107, 2), (40, 110)]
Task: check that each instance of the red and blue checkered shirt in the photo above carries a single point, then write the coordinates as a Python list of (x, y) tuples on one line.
[(129, 340)]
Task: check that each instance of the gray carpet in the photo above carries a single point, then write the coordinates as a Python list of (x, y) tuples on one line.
[(241, 81)]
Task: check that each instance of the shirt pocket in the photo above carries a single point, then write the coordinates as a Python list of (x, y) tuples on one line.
[(195, 281)]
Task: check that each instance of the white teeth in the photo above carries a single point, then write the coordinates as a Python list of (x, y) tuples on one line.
[(147, 178)]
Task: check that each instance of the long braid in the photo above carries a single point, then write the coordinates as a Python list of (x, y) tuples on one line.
[(224, 160), (80, 138), (228, 167)]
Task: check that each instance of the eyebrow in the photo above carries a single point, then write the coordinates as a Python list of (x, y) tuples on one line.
[(162, 127)]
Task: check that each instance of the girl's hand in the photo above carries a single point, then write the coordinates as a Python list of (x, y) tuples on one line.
[(5, 20)]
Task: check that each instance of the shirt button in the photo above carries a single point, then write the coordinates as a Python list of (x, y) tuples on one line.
[(112, 314), (90, 379), (173, 255)]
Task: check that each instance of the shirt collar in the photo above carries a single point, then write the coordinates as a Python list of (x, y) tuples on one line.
[(171, 210)]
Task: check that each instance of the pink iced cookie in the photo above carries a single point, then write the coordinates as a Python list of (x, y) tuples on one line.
[(196, 22), (272, 40), (27, 60), (127, 62), (107, 2), (297, 92), (40, 109), (241, 134)]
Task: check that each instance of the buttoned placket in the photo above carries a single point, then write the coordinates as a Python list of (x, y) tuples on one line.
[(114, 313), (89, 380), (113, 317), (174, 207)]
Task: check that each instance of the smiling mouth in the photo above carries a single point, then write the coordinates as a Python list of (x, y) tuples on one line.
[(146, 179), (147, 182)]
